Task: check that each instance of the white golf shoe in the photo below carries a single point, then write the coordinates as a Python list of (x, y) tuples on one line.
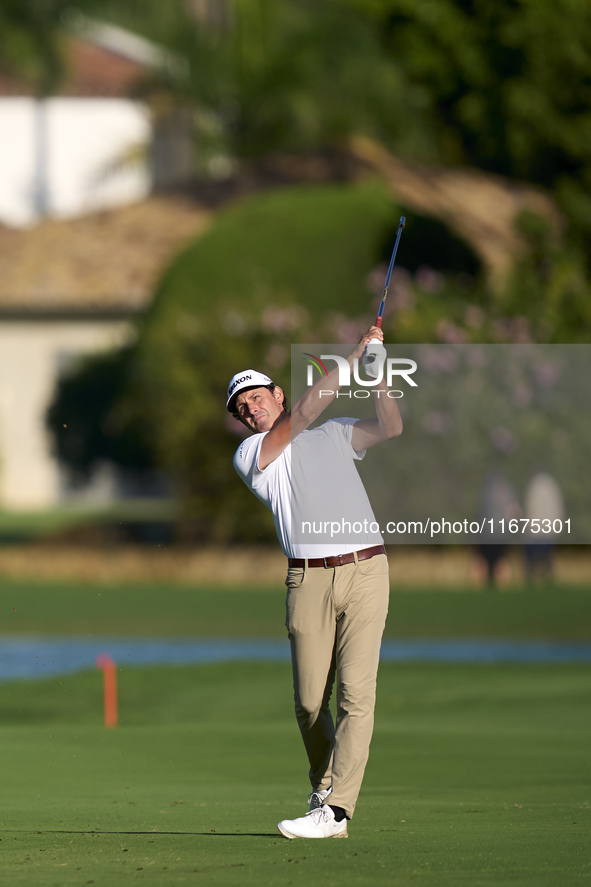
[(318, 798), (318, 823)]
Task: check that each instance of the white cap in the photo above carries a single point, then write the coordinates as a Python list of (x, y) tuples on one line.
[(242, 382)]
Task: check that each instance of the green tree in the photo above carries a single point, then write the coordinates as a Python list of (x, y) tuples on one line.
[(500, 85), (93, 419), (30, 42), (495, 84)]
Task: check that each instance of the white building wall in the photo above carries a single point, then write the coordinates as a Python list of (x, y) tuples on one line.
[(30, 353), (71, 156)]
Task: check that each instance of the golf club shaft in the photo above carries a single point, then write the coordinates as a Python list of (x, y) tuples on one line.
[(401, 225)]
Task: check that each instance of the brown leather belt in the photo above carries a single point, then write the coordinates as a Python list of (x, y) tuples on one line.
[(338, 560)]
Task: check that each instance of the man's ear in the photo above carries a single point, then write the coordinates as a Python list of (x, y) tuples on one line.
[(279, 395)]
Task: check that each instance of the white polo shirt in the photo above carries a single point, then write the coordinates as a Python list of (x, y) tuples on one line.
[(314, 491)]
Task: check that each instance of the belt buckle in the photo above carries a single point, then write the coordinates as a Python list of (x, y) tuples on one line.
[(324, 560)]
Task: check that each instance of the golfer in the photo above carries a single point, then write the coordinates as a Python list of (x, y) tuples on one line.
[(337, 591)]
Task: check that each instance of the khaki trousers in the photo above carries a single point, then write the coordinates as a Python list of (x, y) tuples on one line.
[(335, 618)]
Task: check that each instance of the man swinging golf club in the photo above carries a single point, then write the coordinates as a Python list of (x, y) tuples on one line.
[(337, 592)]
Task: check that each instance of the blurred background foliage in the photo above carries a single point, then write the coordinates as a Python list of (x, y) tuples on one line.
[(94, 420), (30, 41), (496, 85)]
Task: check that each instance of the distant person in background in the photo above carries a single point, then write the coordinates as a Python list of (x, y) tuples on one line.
[(544, 504), (499, 503)]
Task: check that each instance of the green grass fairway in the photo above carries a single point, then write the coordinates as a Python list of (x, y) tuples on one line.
[(154, 610), (479, 775)]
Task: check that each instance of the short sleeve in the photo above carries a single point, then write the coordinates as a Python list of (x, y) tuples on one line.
[(344, 426), (246, 462)]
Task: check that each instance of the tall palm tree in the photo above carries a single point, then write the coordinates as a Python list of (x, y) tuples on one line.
[(30, 48)]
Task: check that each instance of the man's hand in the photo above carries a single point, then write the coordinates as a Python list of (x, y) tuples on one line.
[(374, 332), (370, 432)]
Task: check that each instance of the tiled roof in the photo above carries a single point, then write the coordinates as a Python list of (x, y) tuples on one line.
[(106, 262)]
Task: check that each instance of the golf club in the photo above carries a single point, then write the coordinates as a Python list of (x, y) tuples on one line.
[(375, 349)]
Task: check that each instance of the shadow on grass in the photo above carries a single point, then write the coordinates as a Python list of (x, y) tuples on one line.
[(209, 834)]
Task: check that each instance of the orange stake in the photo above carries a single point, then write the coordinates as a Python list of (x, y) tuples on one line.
[(109, 668)]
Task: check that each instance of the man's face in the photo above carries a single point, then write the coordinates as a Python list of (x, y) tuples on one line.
[(259, 408)]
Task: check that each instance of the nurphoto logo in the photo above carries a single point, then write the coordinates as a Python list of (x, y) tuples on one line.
[(392, 367)]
